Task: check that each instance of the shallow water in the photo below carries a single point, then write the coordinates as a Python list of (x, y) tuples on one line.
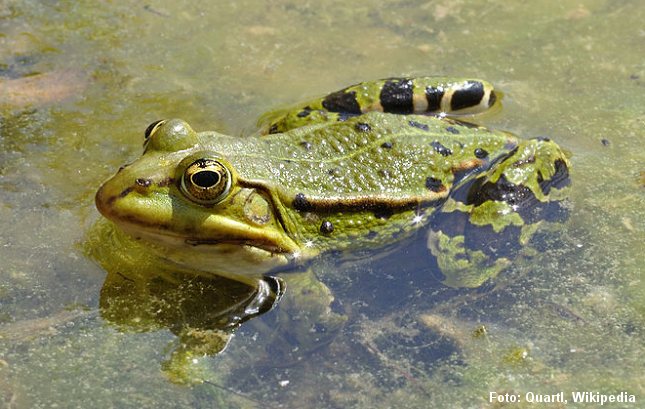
[(80, 81)]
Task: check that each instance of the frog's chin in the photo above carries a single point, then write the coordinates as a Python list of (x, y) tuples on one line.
[(210, 256)]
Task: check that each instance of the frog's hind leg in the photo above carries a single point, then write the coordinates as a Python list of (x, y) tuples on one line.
[(493, 215), (422, 95)]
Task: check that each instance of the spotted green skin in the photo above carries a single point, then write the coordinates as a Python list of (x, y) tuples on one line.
[(311, 183)]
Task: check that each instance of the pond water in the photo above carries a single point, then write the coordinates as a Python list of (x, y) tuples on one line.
[(80, 81)]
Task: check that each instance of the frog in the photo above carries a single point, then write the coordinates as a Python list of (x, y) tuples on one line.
[(353, 174)]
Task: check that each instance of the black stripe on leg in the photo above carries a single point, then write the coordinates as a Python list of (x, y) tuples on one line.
[(434, 95), (396, 96), (470, 95), (341, 101)]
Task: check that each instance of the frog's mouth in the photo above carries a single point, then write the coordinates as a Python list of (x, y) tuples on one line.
[(269, 242), (152, 219), (172, 238)]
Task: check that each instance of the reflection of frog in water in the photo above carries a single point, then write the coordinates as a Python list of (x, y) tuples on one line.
[(353, 172), (202, 311)]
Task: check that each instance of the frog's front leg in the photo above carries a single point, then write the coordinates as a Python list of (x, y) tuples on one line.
[(420, 95), (490, 217)]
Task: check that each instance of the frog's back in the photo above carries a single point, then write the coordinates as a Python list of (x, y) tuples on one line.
[(376, 159)]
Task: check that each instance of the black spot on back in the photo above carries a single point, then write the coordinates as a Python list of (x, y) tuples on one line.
[(434, 95), (306, 145), (362, 127), (326, 227), (480, 153), (441, 149), (396, 96), (386, 145), (452, 130), (419, 125), (301, 203), (341, 101), (470, 95), (434, 184)]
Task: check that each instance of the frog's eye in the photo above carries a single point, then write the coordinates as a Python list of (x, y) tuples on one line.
[(206, 181)]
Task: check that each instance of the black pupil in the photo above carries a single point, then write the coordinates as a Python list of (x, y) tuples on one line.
[(206, 178)]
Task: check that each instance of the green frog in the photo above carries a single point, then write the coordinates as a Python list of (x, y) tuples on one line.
[(355, 173)]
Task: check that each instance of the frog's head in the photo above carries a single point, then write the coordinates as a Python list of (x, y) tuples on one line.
[(180, 194)]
